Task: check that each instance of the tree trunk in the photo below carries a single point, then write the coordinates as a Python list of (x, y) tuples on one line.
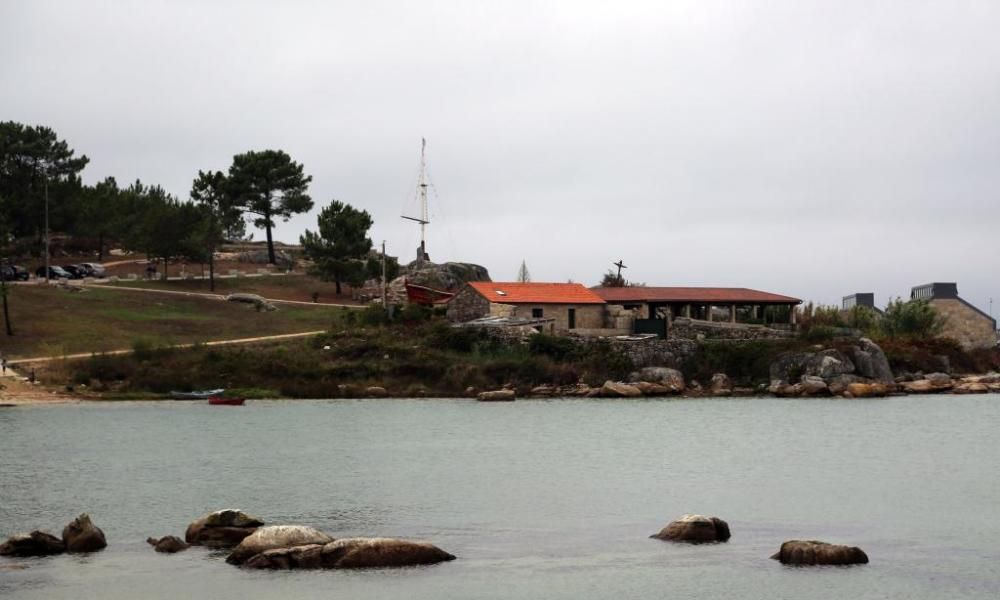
[(211, 270), (6, 312), (100, 247), (336, 280), (270, 242)]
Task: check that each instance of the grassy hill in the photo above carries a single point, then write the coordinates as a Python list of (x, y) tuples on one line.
[(49, 321), (279, 287)]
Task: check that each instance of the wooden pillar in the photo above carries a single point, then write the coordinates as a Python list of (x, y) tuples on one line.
[(732, 313), (708, 309), (687, 310)]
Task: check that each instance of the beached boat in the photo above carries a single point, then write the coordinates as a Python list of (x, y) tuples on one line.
[(221, 401), (427, 296), (196, 395)]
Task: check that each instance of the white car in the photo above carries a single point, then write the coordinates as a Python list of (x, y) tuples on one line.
[(95, 269)]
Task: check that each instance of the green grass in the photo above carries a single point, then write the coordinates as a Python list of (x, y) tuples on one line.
[(283, 287), (50, 322)]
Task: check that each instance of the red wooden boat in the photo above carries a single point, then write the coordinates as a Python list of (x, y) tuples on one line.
[(427, 296), (220, 401)]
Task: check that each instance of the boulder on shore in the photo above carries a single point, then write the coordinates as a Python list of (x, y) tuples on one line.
[(695, 529), (81, 535), (376, 391), (276, 536), (870, 361), (812, 552), (652, 389), (670, 378), (866, 390), (497, 396), (721, 385), (614, 389), (813, 385), (36, 543), (971, 388), (828, 363), (168, 544), (221, 529)]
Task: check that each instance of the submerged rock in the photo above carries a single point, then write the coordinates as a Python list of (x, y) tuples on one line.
[(36, 543), (168, 544), (81, 535), (497, 396), (276, 536), (221, 529), (812, 552), (696, 529)]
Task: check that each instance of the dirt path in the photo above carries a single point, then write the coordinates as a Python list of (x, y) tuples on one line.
[(215, 296), (14, 390), (23, 363)]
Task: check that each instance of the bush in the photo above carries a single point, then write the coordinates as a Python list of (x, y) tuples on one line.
[(556, 347), (745, 362), (913, 319), (373, 314), (415, 313)]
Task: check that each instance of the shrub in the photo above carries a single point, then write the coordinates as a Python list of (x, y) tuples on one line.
[(914, 319), (414, 313), (556, 347)]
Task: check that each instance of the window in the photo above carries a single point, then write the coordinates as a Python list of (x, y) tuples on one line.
[(572, 318), (536, 313)]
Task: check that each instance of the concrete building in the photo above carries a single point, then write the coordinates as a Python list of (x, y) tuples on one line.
[(866, 299), (570, 306), (966, 324)]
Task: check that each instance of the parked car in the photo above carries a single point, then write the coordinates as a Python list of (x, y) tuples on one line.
[(14, 273), (75, 271), (95, 269), (54, 273)]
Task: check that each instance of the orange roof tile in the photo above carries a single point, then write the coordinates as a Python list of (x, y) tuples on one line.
[(535, 293), (691, 294)]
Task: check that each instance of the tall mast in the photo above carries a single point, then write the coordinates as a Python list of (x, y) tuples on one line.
[(424, 218)]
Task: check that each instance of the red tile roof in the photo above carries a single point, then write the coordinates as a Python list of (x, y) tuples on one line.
[(692, 294), (535, 293)]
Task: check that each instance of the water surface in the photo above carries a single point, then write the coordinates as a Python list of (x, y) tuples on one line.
[(539, 499)]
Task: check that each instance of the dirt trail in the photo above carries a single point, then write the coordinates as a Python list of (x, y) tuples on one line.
[(44, 359)]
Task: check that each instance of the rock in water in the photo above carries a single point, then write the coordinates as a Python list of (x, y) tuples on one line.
[(36, 543), (221, 529), (83, 536), (497, 396), (696, 529), (812, 552), (360, 553), (167, 544), (276, 536)]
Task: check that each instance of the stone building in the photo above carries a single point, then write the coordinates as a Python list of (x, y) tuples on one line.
[(963, 322), (653, 309), (571, 306)]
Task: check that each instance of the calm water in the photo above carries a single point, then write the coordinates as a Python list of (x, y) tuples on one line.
[(539, 499)]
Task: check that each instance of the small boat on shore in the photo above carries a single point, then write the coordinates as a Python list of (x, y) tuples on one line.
[(196, 395), (221, 401)]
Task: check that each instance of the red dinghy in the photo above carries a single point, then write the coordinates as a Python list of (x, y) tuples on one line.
[(220, 401)]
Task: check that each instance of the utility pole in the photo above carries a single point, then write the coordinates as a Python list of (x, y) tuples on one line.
[(46, 228), (385, 296), (3, 292)]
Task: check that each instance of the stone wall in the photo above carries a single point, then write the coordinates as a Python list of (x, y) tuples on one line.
[(693, 329), (467, 305), (588, 316), (650, 352), (967, 326)]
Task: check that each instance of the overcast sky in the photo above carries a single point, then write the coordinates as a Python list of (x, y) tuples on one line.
[(808, 148)]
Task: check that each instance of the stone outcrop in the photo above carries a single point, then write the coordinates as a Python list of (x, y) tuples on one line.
[(351, 553), (695, 529), (81, 535), (497, 396), (971, 388), (870, 361), (614, 389), (811, 552), (653, 389), (168, 544), (813, 385), (827, 364), (273, 537), (36, 543), (221, 529)]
